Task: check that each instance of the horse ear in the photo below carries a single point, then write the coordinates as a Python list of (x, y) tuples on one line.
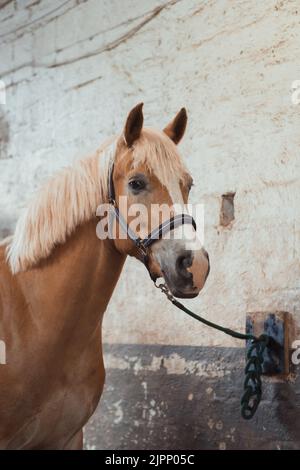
[(134, 124), (176, 128)]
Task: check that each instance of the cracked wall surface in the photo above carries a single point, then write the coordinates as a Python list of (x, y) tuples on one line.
[(74, 68)]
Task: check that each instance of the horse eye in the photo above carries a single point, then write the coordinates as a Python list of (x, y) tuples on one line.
[(137, 185)]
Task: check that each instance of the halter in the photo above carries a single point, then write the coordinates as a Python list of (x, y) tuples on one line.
[(143, 244)]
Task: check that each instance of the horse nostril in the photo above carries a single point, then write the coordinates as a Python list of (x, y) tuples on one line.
[(182, 263)]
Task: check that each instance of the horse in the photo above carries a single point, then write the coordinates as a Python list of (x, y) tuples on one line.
[(57, 277)]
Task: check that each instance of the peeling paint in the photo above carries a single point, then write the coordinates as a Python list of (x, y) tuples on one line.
[(172, 365), (219, 425), (211, 423), (144, 385), (118, 412)]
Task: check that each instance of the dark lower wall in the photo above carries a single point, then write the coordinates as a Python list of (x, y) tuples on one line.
[(181, 397)]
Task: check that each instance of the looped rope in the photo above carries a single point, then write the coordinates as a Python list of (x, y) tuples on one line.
[(253, 370)]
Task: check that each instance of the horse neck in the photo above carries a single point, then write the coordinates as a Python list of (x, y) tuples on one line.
[(70, 290)]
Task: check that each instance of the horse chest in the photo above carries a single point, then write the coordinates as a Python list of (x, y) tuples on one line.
[(55, 403)]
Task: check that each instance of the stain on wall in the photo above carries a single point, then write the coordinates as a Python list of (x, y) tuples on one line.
[(227, 209)]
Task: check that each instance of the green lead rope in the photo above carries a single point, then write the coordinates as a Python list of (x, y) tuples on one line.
[(253, 370)]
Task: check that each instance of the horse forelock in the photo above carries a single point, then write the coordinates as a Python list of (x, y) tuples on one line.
[(158, 152)]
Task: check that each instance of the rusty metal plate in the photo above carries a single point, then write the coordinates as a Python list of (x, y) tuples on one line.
[(274, 324)]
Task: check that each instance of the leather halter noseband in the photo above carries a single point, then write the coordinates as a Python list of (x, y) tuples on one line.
[(143, 244)]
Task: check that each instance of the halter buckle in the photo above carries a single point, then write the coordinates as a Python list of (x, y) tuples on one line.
[(165, 290), (141, 247)]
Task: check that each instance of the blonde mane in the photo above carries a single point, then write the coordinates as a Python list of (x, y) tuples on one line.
[(72, 196)]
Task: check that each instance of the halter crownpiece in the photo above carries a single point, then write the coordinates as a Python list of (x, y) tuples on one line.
[(143, 244)]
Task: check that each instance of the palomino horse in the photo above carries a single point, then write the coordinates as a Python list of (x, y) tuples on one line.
[(57, 278)]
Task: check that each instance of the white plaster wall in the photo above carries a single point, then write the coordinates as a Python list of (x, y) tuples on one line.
[(74, 68)]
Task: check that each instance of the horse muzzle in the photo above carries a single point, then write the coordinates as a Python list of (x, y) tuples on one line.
[(185, 271)]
